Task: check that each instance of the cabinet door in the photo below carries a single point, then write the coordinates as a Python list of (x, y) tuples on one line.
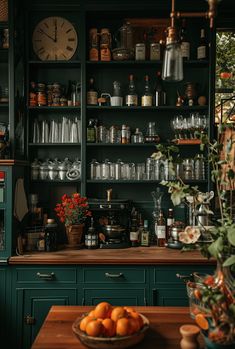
[(169, 290), (32, 308), (115, 296), (3, 300)]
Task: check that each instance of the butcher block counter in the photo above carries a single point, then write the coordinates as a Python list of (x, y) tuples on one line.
[(56, 331), (133, 256)]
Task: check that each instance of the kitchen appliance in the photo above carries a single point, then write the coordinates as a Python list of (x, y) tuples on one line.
[(111, 219)]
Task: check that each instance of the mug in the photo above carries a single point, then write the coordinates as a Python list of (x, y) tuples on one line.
[(116, 101)]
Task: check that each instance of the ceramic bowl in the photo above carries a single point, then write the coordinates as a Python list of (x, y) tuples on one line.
[(110, 342)]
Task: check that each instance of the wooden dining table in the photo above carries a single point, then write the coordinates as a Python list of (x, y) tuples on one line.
[(56, 331)]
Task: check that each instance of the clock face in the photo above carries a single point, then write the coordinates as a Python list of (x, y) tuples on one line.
[(54, 38)]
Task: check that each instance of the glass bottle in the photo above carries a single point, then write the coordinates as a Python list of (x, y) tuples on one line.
[(137, 137), (131, 97), (170, 220), (160, 230), (91, 237), (94, 46), (147, 98), (185, 44), (159, 93), (202, 47), (90, 133), (144, 235), (92, 94), (69, 93)]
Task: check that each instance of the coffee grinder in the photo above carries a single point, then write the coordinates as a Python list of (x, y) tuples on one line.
[(111, 220)]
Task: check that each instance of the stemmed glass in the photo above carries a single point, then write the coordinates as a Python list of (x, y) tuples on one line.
[(177, 124)]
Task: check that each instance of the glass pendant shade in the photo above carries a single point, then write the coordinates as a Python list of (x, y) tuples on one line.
[(172, 68)]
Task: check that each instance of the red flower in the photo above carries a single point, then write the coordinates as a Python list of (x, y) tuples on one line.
[(72, 209)]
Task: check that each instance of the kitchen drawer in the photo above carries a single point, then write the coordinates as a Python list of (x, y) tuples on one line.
[(114, 275), (46, 275), (164, 275)]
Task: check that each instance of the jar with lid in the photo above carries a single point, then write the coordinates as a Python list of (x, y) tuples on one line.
[(93, 42), (35, 165), (50, 235), (151, 134), (140, 52), (105, 45)]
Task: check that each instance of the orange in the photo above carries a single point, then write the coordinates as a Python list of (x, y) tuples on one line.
[(117, 313), (103, 310), (202, 321), (92, 314), (109, 327), (84, 322), (134, 325), (123, 327), (94, 328), (136, 315), (129, 309)]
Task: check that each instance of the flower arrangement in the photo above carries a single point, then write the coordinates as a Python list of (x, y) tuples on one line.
[(72, 209), (214, 295)]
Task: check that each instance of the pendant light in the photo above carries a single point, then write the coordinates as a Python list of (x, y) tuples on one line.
[(172, 68)]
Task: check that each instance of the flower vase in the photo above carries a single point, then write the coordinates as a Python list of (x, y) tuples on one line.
[(74, 234)]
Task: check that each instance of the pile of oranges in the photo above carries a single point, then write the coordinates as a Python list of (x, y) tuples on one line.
[(108, 321)]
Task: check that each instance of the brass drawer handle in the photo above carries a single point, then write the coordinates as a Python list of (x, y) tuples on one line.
[(50, 276), (108, 275)]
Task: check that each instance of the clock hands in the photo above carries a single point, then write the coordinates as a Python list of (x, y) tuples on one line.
[(55, 31), (42, 32)]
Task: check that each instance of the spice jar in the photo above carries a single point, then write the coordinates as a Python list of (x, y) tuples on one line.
[(140, 52), (105, 45), (93, 41)]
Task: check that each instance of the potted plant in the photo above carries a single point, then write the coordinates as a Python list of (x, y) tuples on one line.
[(73, 211), (213, 296)]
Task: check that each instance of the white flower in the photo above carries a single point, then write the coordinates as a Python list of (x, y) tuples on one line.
[(190, 235)]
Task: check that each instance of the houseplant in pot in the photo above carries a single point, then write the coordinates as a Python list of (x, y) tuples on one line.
[(73, 211), (213, 295)]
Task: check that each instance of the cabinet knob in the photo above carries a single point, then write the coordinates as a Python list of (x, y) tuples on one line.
[(29, 320), (108, 275), (47, 277)]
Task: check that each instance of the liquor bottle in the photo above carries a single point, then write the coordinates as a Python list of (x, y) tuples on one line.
[(91, 237), (159, 93), (92, 94), (160, 230), (169, 222), (91, 132), (147, 98), (144, 234), (69, 93), (185, 44), (131, 97), (202, 47)]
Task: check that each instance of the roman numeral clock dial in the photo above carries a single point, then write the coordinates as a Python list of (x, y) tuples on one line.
[(54, 38)]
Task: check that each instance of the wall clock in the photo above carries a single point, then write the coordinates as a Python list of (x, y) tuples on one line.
[(54, 38)]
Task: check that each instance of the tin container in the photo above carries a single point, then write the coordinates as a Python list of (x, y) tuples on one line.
[(155, 51), (140, 52)]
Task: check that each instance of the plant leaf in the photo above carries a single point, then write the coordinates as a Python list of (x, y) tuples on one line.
[(231, 236), (229, 261)]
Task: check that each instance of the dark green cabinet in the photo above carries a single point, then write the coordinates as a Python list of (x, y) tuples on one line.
[(169, 290), (119, 285)]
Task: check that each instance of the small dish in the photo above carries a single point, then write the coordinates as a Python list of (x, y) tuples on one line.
[(110, 342)]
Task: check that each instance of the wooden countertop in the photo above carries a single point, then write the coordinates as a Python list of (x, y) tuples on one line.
[(135, 255), (56, 331)]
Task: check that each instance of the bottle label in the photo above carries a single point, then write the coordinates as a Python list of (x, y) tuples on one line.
[(94, 54), (92, 97), (160, 231), (145, 238), (134, 235), (131, 100), (146, 101), (155, 51), (185, 49), (201, 52), (170, 221)]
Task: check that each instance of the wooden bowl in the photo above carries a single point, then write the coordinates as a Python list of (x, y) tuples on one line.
[(110, 342)]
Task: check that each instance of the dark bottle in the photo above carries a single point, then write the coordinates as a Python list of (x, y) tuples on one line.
[(131, 97), (170, 220), (91, 237), (159, 93), (202, 49), (160, 229), (92, 94), (147, 98), (185, 44), (50, 235), (91, 131), (69, 93)]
